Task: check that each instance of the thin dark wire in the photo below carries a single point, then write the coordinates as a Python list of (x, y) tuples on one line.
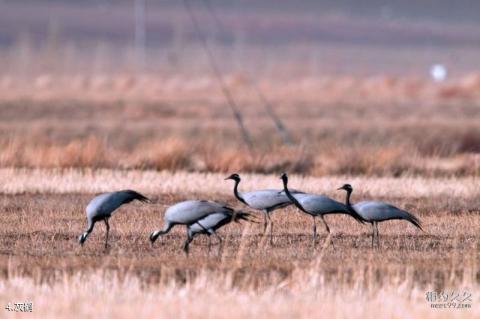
[(216, 70), (214, 17), (282, 129)]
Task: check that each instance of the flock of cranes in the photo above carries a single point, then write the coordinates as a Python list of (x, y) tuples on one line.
[(205, 217)]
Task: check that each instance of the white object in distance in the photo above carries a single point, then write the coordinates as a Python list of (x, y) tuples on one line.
[(438, 72)]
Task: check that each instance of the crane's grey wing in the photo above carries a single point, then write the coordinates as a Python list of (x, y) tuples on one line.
[(217, 220), (321, 204), (267, 198), (106, 204), (211, 221), (94, 207), (191, 211), (379, 211), (376, 211)]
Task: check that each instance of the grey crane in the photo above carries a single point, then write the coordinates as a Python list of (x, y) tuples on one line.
[(209, 224), (188, 213), (266, 200), (376, 211), (318, 205), (102, 206)]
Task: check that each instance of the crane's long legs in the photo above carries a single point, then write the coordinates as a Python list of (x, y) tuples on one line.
[(271, 228), (187, 243), (373, 232), (209, 244), (328, 230), (108, 230), (314, 232), (265, 221), (220, 242)]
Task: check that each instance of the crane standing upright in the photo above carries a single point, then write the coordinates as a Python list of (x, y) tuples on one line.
[(318, 206), (266, 200)]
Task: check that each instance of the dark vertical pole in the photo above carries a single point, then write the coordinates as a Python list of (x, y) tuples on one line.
[(281, 128), (231, 103)]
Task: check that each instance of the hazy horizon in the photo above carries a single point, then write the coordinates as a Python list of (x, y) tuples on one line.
[(336, 37)]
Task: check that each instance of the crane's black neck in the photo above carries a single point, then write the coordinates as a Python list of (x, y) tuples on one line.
[(347, 198), (290, 196), (350, 208), (237, 194)]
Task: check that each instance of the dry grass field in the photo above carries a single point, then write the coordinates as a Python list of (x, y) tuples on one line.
[(86, 109), (41, 213), (402, 140)]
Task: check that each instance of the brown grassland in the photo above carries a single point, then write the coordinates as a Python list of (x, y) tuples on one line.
[(381, 126), (41, 260), (82, 112), (403, 140)]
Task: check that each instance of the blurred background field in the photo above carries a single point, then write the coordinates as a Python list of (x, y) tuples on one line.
[(103, 95), (81, 87)]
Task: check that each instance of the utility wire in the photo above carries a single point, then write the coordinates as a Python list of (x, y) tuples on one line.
[(282, 129), (218, 74)]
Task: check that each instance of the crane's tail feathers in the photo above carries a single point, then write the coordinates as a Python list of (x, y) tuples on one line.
[(250, 218), (241, 215), (414, 220), (136, 195)]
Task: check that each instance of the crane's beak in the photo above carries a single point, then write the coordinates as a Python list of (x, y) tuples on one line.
[(340, 188)]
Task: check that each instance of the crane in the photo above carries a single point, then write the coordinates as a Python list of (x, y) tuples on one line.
[(188, 213), (318, 206), (376, 211), (266, 200), (102, 206)]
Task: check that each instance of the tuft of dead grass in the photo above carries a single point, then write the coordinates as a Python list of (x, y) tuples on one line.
[(273, 160), (89, 152), (169, 154)]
